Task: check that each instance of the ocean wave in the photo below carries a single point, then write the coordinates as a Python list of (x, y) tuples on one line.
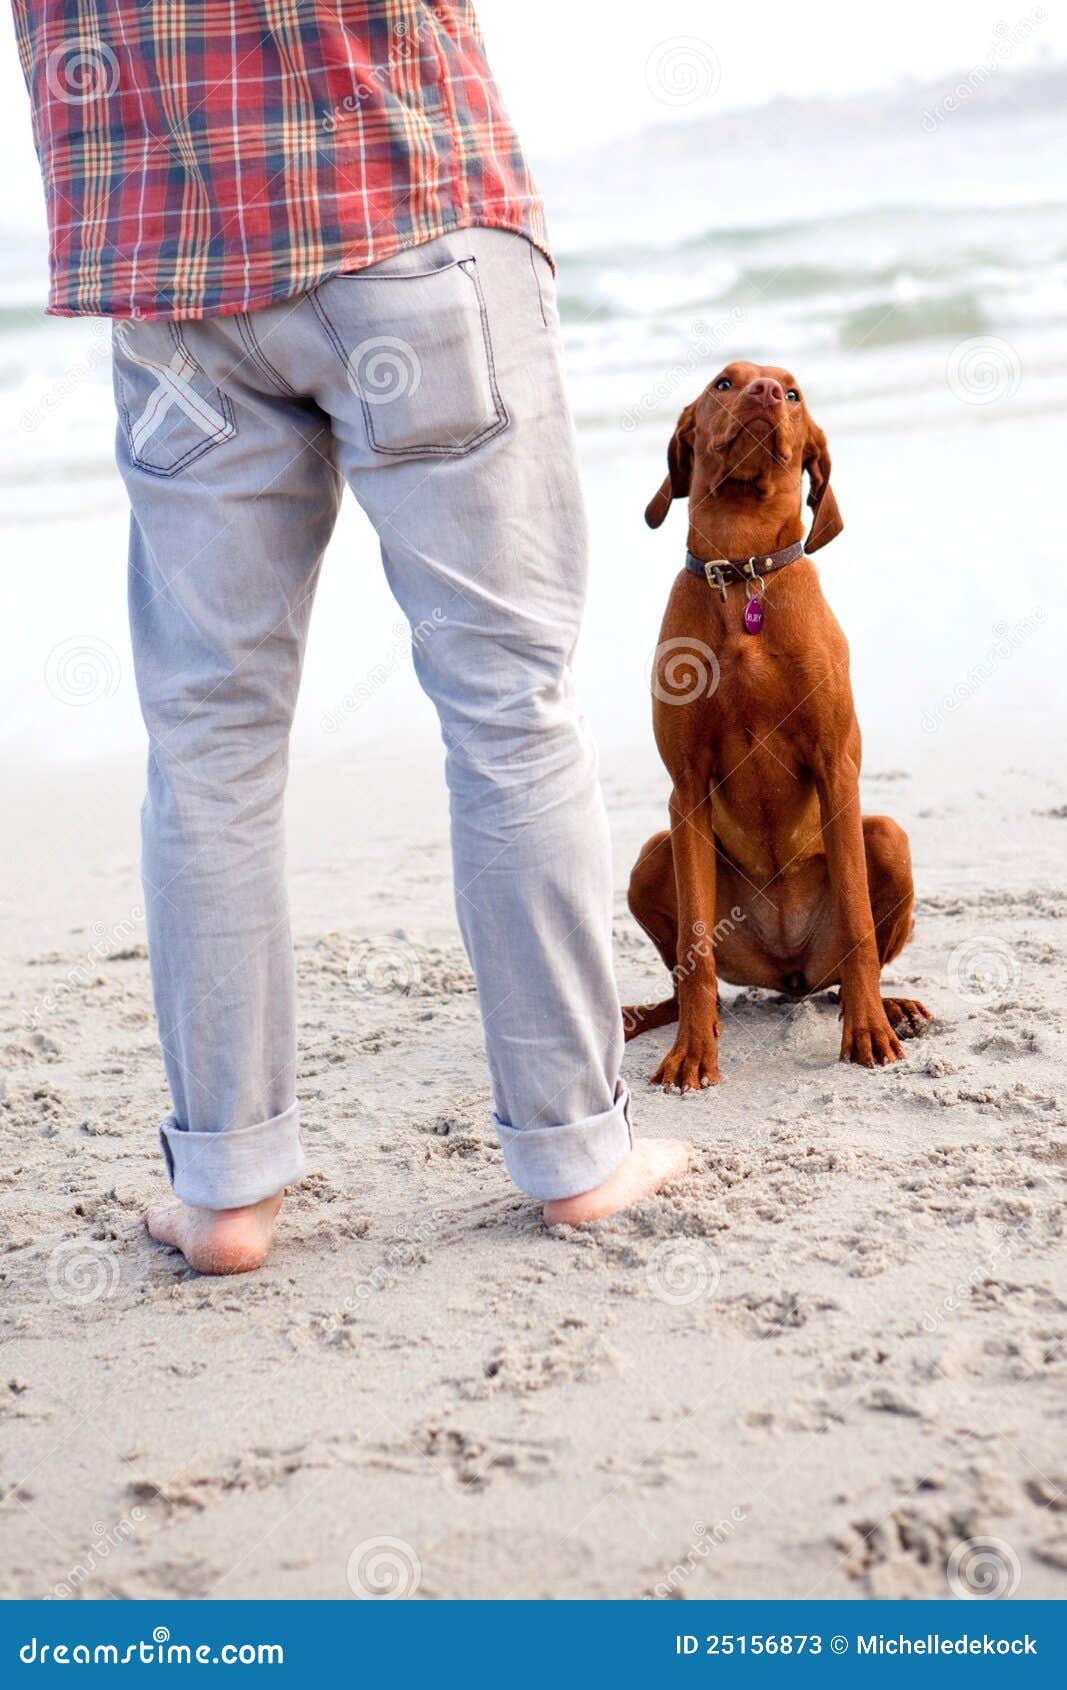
[(887, 222), (893, 323), (884, 219), (861, 280)]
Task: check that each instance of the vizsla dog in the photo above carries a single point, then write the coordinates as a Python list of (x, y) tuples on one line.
[(769, 875)]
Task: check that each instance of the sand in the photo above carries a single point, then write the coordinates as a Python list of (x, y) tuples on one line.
[(822, 1363)]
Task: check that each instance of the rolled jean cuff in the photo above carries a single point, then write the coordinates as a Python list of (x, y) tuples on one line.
[(562, 1161), (227, 1170)]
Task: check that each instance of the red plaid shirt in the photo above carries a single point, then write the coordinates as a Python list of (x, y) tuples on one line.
[(209, 156)]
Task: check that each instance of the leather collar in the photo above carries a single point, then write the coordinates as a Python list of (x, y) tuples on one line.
[(723, 572)]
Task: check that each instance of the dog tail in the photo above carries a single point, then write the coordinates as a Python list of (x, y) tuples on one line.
[(640, 1018)]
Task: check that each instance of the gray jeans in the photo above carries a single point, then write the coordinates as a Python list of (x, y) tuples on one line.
[(431, 385)]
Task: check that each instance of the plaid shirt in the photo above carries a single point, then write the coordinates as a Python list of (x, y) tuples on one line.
[(202, 157)]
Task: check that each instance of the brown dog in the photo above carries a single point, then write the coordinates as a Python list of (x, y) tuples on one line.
[(769, 875)]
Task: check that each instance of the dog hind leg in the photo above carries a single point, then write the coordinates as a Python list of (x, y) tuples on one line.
[(653, 904), (892, 904)]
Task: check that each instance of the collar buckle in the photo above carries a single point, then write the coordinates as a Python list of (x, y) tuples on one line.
[(715, 576)]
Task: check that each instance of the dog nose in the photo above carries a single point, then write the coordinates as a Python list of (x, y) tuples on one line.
[(766, 390)]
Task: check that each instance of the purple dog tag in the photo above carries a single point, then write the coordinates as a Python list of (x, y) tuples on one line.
[(753, 616)]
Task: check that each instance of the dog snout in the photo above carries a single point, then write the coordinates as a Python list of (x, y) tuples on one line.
[(765, 391)]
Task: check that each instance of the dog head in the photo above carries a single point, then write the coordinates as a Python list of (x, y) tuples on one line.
[(750, 435)]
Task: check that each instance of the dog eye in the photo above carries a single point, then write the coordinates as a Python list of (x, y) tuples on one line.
[(791, 393), (723, 383)]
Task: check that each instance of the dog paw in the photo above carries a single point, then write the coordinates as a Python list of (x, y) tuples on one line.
[(689, 1067), (870, 1043), (906, 1016)]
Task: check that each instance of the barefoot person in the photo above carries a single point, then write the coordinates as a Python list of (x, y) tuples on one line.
[(326, 263)]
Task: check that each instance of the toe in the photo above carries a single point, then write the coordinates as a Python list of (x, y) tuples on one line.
[(666, 1074), (701, 1074), (906, 1016), (861, 1051), (686, 1070), (162, 1223)]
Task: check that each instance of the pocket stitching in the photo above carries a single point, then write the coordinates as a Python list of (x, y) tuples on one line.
[(534, 251), (367, 272), (246, 330), (502, 417), (206, 445)]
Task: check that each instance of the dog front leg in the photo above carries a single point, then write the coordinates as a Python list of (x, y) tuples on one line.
[(867, 1037), (694, 1060)]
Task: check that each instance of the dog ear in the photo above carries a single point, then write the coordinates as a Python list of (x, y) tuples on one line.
[(679, 468), (826, 523)]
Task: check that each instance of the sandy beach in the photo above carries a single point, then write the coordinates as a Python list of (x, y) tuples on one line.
[(831, 1354), (831, 1362)]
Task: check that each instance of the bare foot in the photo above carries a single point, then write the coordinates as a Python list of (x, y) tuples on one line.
[(651, 1164), (217, 1240)]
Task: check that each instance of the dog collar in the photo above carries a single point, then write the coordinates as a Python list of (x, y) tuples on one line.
[(723, 572)]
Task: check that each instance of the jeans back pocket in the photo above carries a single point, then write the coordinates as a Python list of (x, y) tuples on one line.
[(171, 413), (418, 356)]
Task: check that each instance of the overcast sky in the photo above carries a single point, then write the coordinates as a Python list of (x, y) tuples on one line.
[(571, 78), (577, 71)]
